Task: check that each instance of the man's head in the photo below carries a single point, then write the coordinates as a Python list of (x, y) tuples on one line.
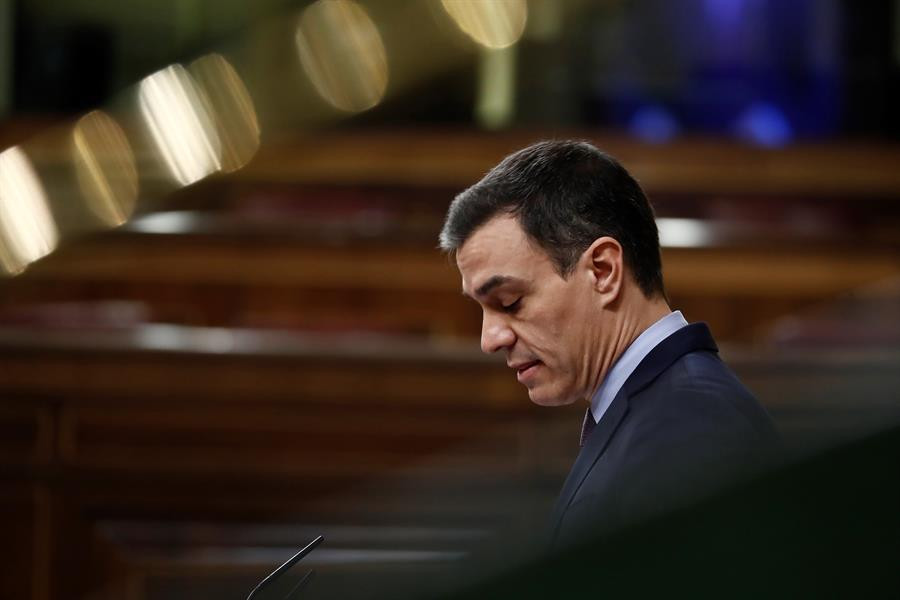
[(556, 243)]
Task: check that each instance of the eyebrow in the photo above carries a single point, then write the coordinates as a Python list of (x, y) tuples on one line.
[(493, 282)]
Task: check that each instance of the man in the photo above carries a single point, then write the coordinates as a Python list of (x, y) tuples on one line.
[(559, 246)]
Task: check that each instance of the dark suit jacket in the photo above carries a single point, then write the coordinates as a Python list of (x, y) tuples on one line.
[(681, 426)]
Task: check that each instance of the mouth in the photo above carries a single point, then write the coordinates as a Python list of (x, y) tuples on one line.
[(526, 371)]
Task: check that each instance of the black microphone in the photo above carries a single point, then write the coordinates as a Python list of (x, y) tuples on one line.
[(287, 565)]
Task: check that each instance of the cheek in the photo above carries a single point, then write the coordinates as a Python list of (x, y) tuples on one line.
[(554, 328), (553, 343), (542, 337), (564, 349)]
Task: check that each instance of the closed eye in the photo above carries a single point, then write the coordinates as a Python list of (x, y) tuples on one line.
[(513, 306)]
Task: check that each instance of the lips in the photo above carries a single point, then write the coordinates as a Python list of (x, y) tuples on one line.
[(525, 370), (524, 366)]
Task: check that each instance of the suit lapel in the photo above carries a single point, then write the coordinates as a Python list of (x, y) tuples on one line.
[(590, 452), (687, 339)]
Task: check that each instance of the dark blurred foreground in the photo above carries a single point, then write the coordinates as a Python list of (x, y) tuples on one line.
[(824, 527)]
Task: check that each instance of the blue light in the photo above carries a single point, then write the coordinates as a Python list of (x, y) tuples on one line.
[(764, 124), (654, 124), (725, 14)]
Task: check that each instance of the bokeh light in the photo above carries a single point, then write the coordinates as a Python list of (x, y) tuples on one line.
[(231, 109), (491, 23), (177, 115), (27, 229), (764, 124), (654, 124), (343, 54), (104, 163)]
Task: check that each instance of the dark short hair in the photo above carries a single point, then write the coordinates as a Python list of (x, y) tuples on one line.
[(565, 195)]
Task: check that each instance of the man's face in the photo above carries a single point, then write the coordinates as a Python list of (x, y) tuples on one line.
[(543, 323)]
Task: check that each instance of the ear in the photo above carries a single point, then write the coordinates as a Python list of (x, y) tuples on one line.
[(604, 261)]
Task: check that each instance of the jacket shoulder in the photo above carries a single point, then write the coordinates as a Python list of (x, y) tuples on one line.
[(701, 385)]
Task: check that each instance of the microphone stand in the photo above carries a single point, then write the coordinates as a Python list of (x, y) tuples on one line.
[(287, 565)]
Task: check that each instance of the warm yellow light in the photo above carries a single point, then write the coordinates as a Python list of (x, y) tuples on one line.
[(495, 103), (27, 229), (491, 23), (343, 54), (231, 108), (178, 119), (105, 167)]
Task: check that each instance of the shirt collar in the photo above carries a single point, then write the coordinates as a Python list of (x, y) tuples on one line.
[(631, 358)]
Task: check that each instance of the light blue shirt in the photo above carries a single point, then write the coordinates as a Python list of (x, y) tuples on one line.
[(631, 358)]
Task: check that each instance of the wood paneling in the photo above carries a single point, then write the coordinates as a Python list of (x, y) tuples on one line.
[(209, 280)]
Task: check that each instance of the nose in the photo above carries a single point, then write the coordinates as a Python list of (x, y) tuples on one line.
[(495, 334)]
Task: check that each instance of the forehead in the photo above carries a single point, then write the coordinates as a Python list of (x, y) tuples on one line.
[(498, 248)]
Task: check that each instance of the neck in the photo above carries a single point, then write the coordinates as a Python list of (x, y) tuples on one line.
[(631, 320)]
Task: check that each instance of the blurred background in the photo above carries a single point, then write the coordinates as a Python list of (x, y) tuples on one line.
[(225, 327)]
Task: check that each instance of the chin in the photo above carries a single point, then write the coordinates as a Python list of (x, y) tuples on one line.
[(544, 397)]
